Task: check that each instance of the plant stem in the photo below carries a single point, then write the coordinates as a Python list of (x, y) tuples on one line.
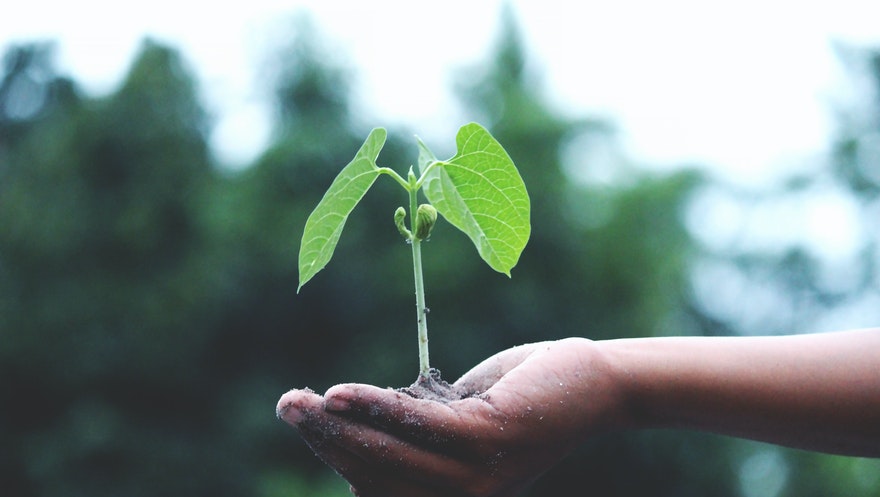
[(421, 309)]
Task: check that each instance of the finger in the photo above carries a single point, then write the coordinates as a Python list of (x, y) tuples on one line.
[(352, 447), (372, 478), (332, 438), (364, 476), (397, 456), (375, 462), (295, 405), (304, 410), (424, 422)]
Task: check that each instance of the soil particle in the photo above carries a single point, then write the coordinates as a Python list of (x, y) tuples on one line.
[(433, 387)]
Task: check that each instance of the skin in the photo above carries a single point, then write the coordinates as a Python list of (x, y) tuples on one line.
[(532, 404)]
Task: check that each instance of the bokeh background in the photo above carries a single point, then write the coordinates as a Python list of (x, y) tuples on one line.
[(149, 319)]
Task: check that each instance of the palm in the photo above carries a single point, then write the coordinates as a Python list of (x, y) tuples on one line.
[(524, 413)]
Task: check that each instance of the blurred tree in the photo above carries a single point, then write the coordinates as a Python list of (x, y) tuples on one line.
[(30, 89), (148, 314), (103, 290), (268, 337), (819, 271), (857, 148)]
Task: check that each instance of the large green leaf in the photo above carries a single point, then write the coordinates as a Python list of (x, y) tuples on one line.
[(480, 192), (325, 223)]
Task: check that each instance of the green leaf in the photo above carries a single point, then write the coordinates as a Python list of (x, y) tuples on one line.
[(480, 192), (325, 223), (426, 157)]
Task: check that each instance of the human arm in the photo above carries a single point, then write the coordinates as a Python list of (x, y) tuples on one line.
[(532, 404), (815, 391)]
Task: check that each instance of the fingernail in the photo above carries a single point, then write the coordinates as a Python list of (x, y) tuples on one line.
[(285, 409), (336, 404), (290, 414)]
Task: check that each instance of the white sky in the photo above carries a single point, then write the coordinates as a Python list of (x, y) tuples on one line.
[(744, 86)]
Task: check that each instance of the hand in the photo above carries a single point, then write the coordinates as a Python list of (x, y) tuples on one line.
[(525, 409)]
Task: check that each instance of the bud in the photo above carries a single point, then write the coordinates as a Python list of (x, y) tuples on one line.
[(426, 216), (399, 216)]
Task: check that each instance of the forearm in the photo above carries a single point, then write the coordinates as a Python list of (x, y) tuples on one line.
[(818, 392)]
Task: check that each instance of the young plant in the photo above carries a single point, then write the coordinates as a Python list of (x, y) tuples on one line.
[(478, 190)]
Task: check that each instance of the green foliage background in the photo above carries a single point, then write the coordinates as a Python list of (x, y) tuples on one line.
[(148, 311)]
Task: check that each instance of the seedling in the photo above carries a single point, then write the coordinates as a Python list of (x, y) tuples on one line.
[(478, 190)]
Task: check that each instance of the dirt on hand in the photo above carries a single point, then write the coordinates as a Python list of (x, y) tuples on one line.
[(433, 387)]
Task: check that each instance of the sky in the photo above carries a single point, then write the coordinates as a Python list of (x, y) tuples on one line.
[(746, 88)]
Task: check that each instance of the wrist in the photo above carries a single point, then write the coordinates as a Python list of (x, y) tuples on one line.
[(623, 362), (606, 393)]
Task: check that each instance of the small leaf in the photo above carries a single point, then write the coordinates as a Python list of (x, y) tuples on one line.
[(426, 157), (426, 216), (399, 218), (325, 223), (480, 192)]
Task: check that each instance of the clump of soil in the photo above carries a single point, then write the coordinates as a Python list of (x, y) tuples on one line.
[(433, 387)]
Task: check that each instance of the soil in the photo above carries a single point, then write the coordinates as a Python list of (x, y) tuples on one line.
[(435, 388)]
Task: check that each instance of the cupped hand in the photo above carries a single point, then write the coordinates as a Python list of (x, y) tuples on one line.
[(524, 409)]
